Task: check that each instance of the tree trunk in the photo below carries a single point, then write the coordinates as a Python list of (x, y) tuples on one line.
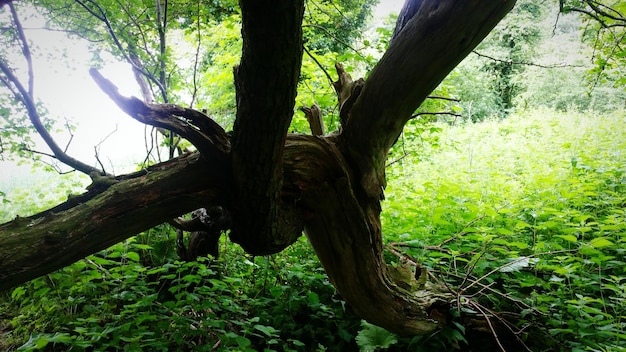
[(265, 81), (332, 185)]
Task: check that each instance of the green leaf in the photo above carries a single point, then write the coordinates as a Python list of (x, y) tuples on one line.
[(372, 337), (267, 330), (569, 238), (134, 256), (504, 231), (18, 292), (600, 242)]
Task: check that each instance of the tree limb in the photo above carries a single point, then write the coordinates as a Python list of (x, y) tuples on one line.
[(429, 46), (34, 246), (204, 133), (23, 95)]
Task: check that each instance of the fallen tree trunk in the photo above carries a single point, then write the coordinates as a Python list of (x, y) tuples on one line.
[(34, 246)]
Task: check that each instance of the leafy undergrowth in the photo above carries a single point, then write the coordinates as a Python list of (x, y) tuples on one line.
[(524, 218), (527, 216), (128, 297)]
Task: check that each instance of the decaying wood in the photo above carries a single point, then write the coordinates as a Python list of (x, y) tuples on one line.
[(206, 226), (36, 245), (314, 117), (275, 184), (347, 91)]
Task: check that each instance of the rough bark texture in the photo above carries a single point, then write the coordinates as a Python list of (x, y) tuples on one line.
[(34, 246), (331, 184), (265, 81), (429, 46)]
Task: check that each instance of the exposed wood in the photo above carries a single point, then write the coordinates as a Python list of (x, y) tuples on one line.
[(347, 90), (204, 133), (314, 117), (265, 83), (206, 226), (346, 237)]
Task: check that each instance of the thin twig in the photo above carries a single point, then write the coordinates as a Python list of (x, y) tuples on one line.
[(330, 79), (435, 113), (26, 99), (511, 62), (334, 37), (69, 130), (439, 97), (25, 49), (493, 331), (104, 19), (196, 58)]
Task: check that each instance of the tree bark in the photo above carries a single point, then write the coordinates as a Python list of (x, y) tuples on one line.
[(265, 81), (331, 185), (429, 46), (34, 246)]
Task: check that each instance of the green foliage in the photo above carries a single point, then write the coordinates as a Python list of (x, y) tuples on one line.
[(372, 337), (524, 215), (526, 212), (30, 193), (605, 29), (333, 25), (512, 41), (537, 57), (118, 298)]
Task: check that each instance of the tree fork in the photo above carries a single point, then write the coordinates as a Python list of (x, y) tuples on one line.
[(332, 185)]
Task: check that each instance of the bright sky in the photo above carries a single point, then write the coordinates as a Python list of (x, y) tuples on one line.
[(386, 7), (69, 93), (62, 82)]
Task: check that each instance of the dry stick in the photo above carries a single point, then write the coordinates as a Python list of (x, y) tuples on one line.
[(493, 331), (69, 131), (510, 62), (515, 261), (96, 148), (503, 295), (436, 113), (504, 322), (509, 326), (439, 97)]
